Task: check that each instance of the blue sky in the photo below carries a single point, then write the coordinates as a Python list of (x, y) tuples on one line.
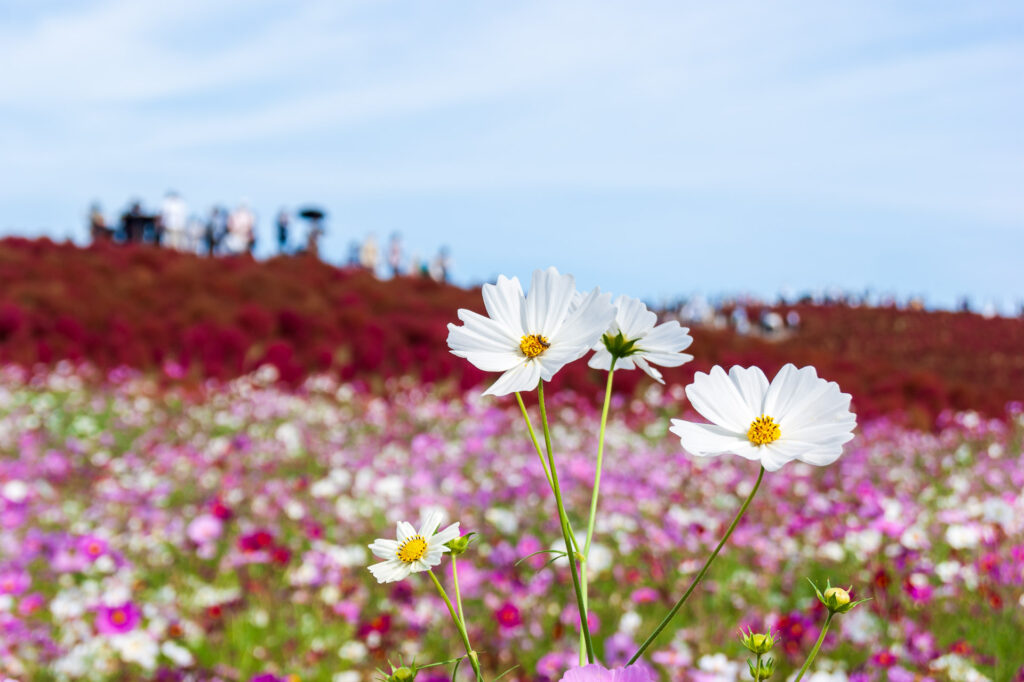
[(651, 148)]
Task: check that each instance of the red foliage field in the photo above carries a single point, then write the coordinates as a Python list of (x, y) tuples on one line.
[(191, 318)]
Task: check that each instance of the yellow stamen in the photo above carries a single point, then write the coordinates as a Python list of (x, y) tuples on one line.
[(413, 549), (533, 345), (763, 430)]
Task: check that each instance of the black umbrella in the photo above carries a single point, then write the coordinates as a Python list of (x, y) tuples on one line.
[(311, 213)]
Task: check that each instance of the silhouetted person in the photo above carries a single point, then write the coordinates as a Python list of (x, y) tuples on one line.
[(133, 224), (395, 254), (173, 221), (98, 230), (216, 227), (282, 231)]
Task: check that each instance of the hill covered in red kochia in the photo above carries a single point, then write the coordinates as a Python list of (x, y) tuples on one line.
[(194, 317)]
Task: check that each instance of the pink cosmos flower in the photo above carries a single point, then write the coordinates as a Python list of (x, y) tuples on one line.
[(92, 547), (113, 620), (204, 529), (598, 673)]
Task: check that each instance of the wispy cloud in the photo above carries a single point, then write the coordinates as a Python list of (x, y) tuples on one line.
[(868, 106)]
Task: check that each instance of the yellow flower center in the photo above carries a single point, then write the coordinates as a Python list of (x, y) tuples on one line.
[(763, 430), (413, 549), (533, 345)]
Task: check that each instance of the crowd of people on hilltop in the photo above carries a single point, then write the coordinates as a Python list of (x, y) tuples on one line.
[(233, 232)]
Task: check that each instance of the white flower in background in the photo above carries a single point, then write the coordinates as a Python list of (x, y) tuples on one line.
[(411, 552), (530, 338), (137, 646), (796, 416), (178, 654), (634, 339)]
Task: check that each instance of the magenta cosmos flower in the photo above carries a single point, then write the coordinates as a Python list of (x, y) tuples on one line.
[(114, 620), (596, 672)]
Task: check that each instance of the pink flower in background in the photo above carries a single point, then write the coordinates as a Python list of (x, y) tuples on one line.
[(204, 529), (92, 547), (598, 673), (117, 619), (14, 582), (508, 615)]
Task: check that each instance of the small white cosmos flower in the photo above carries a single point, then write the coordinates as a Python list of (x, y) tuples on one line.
[(531, 337), (637, 342), (797, 416), (411, 552)]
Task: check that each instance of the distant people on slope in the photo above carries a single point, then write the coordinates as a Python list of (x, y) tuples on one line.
[(174, 222)]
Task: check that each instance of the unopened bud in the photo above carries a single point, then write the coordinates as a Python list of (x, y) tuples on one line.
[(459, 545), (403, 674), (837, 597), (758, 643)]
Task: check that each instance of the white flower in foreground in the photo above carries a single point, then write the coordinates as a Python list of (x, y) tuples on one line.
[(531, 337), (797, 416), (635, 340), (412, 552)]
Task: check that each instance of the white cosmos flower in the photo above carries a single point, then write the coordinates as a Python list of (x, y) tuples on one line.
[(530, 338), (411, 552), (641, 342), (797, 416)]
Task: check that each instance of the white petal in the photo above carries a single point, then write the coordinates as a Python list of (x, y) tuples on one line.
[(587, 323), (480, 333), (774, 455), (708, 439), (446, 535), (430, 523), (504, 302), (521, 378), (790, 391), (390, 571), (664, 344), (385, 549), (404, 531), (601, 359), (548, 302), (642, 364), (719, 398), (632, 317)]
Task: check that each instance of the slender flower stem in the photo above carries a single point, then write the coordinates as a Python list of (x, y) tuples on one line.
[(594, 496), (533, 437), (757, 675), (473, 660), (458, 595), (543, 463), (566, 533), (696, 580), (817, 646)]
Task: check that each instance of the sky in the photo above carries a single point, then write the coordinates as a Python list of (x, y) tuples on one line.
[(657, 149)]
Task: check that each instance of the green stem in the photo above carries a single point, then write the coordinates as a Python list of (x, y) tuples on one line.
[(757, 676), (458, 595), (817, 646), (543, 463), (473, 660), (707, 564), (569, 551), (594, 495)]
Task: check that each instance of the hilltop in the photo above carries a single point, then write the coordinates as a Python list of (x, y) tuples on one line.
[(189, 318)]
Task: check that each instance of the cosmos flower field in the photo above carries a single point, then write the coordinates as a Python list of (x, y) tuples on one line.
[(162, 532)]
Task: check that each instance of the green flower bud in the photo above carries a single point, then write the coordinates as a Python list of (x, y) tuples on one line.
[(459, 545), (757, 642), (403, 674), (763, 671), (837, 597)]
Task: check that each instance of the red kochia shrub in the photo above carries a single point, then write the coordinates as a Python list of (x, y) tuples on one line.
[(197, 317)]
